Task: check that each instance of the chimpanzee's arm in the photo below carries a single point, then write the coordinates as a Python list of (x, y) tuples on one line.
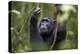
[(35, 38)]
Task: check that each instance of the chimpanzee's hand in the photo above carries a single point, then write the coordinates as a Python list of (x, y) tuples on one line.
[(36, 11), (34, 17)]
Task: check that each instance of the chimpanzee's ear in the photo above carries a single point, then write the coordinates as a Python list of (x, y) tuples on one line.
[(54, 21)]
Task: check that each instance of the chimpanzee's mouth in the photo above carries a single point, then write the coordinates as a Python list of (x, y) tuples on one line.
[(43, 31)]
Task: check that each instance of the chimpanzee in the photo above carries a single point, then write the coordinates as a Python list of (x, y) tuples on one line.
[(42, 35)]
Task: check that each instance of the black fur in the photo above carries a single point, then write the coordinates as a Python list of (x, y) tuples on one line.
[(38, 36)]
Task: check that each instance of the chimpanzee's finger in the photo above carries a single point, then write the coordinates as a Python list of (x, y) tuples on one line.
[(36, 10)]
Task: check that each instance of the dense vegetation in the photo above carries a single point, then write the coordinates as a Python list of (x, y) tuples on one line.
[(20, 21)]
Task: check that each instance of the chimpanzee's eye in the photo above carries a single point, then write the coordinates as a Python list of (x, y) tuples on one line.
[(47, 25), (45, 20)]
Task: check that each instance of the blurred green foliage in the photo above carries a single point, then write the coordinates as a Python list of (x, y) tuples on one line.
[(20, 20)]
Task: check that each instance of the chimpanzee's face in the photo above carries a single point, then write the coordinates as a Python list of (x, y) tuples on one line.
[(45, 26)]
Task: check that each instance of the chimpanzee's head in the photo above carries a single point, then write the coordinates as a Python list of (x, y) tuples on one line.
[(46, 25)]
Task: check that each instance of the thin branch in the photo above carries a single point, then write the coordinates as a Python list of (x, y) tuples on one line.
[(22, 27), (14, 30), (55, 36)]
